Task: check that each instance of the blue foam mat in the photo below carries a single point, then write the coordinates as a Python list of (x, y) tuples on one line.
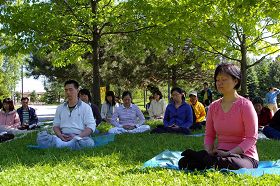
[(99, 141), (169, 159)]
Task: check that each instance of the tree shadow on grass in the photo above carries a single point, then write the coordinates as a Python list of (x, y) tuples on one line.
[(128, 150)]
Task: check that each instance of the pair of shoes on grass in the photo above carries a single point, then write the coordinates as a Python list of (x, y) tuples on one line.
[(196, 160), (6, 136)]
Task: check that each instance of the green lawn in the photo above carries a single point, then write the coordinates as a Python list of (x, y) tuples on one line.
[(118, 163)]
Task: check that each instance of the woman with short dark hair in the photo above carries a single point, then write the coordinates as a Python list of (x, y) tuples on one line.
[(231, 128), (128, 118), (9, 118), (178, 115)]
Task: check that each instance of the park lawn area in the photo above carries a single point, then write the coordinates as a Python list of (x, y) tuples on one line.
[(118, 163)]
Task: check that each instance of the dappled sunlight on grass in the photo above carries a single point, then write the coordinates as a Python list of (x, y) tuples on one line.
[(118, 163)]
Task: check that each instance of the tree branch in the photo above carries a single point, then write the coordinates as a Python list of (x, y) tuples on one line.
[(106, 4), (73, 13), (258, 38), (262, 58), (215, 52), (103, 26), (270, 45), (130, 31), (238, 34), (262, 38), (76, 35), (228, 37)]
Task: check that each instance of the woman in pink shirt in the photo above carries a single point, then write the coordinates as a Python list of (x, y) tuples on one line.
[(231, 120), (9, 118)]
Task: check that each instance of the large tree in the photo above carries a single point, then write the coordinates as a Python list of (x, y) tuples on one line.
[(9, 75), (71, 29), (236, 30)]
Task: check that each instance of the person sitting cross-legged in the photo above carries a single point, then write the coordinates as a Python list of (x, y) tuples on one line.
[(85, 96), (157, 107), (108, 107), (9, 120), (128, 118), (178, 115), (199, 111), (27, 115), (272, 130), (231, 128), (73, 122), (264, 113)]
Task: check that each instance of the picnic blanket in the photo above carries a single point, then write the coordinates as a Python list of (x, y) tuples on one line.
[(100, 140), (169, 159)]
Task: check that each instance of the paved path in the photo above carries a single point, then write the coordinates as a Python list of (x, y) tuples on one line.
[(45, 112)]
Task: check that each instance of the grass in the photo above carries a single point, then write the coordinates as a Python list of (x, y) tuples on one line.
[(118, 163)]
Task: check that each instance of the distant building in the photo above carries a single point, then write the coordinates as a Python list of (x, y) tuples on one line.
[(39, 95)]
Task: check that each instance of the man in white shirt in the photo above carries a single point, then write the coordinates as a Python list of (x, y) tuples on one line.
[(73, 122)]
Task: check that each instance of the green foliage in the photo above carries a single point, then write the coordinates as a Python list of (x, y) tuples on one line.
[(18, 96), (9, 75), (252, 83), (33, 96), (118, 163), (54, 93)]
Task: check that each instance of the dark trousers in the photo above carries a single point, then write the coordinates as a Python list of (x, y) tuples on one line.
[(198, 125), (163, 129), (201, 160), (271, 132), (236, 161)]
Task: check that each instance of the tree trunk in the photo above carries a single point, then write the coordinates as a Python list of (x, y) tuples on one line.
[(173, 77), (95, 59), (243, 66)]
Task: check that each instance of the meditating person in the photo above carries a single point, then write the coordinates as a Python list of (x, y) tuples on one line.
[(85, 96), (118, 100), (271, 99), (199, 111), (178, 115), (206, 95), (128, 118), (27, 115), (157, 106), (108, 107), (231, 120), (9, 121), (9, 118), (264, 113), (73, 122), (272, 130)]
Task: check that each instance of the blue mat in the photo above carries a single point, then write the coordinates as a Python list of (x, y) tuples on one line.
[(99, 141), (169, 159)]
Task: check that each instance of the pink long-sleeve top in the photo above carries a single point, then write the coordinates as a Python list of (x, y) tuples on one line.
[(9, 120), (237, 127)]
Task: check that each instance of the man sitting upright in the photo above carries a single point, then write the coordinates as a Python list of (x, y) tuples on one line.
[(73, 122), (27, 115)]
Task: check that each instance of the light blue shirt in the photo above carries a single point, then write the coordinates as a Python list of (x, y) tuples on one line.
[(271, 97), (128, 116)]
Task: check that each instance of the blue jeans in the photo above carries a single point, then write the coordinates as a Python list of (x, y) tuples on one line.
[(271, 132)]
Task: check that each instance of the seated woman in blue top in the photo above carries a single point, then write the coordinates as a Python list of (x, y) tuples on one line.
[(178, 115)]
